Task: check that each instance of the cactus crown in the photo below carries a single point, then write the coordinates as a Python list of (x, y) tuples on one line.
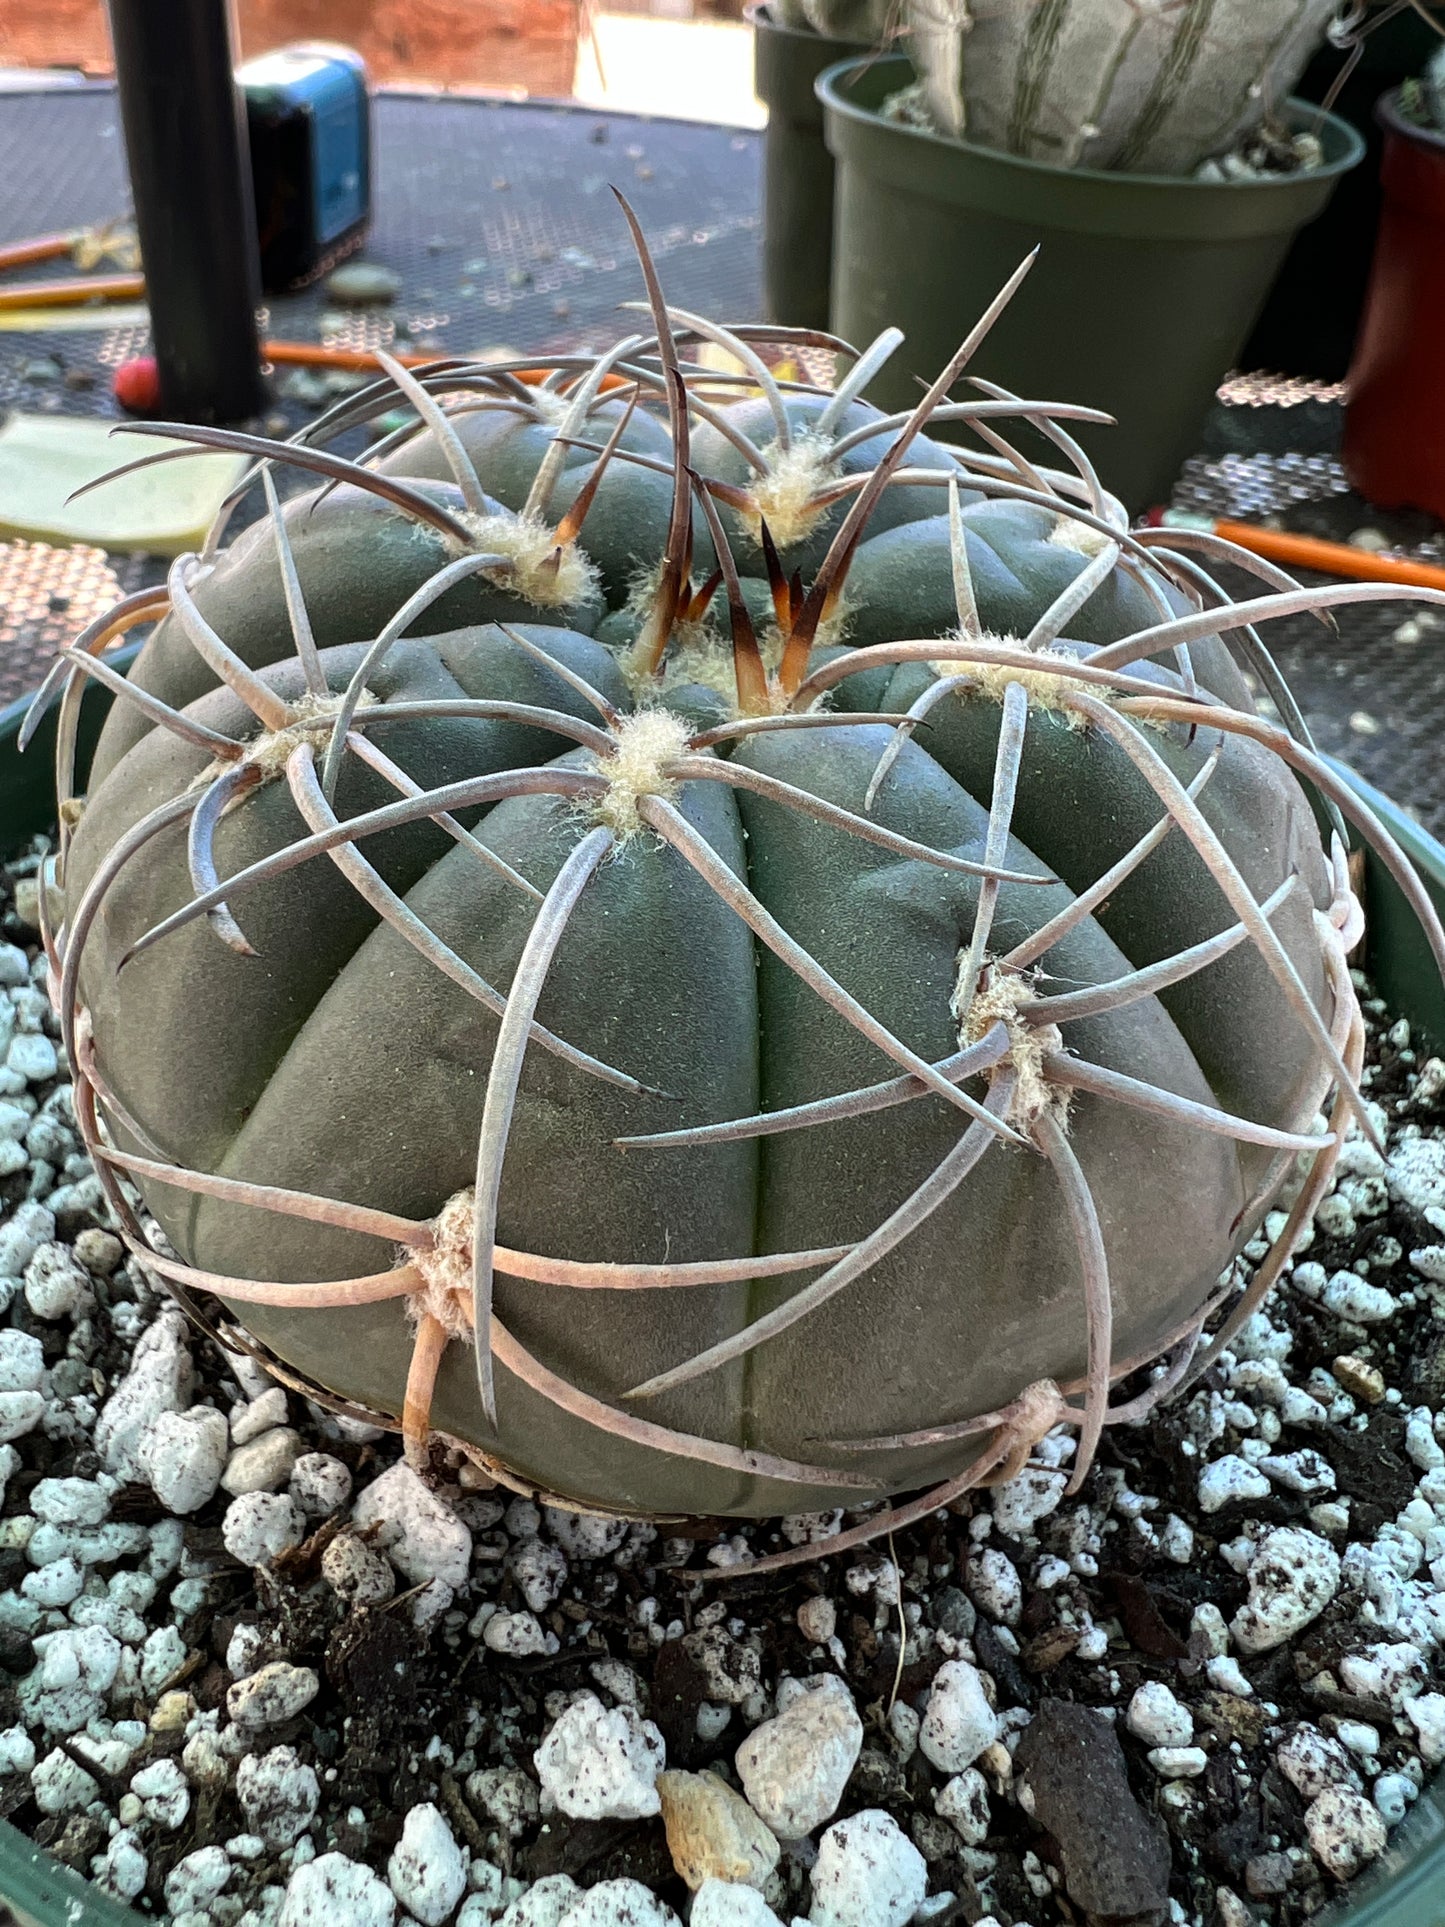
[(623, 779)]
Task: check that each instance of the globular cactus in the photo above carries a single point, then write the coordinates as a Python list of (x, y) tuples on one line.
[(1146, 89), (864, 23), (788, 1057)]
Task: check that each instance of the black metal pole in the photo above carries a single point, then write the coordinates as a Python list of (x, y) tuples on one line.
[(185, 137)]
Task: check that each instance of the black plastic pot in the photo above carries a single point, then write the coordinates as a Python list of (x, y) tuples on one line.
[(1142, 297), (797, 168)]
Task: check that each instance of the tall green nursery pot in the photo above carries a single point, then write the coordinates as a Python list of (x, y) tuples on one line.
[(1403, 1891), (797, 167), (1143, 295)]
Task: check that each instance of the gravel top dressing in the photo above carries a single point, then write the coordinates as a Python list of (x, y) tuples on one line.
[(254, 1672)]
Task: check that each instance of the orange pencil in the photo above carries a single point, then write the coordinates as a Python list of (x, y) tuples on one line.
[(310, 354), (73, 293), (1312, 552), (43, 247)]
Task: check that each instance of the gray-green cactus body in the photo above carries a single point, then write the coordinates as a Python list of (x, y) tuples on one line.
[(1020, 557), (359, 559), (1082, 800), (507, 448), (993, 1274), (1106, 83), (339, 1061)]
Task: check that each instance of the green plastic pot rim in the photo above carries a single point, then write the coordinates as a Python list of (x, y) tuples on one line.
[(786, 61), (42, 1892), (1387, 113), (1037, 193)]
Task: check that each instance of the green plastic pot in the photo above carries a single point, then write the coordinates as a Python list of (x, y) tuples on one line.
[(1406, 1890), (1143, 295), (797, 168)]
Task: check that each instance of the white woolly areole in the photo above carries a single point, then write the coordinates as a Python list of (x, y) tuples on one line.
[(1001, 999), (544, 572), (783, 496), (1046, 686), (646, 743), (446, 1270), (1078, 536), (312, 718)]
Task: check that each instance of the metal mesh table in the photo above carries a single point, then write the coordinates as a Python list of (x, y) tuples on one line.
[(498, 218)]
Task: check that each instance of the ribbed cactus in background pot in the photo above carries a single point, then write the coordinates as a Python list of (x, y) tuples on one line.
[(797, 1051), (1144, 88), (866, 23)]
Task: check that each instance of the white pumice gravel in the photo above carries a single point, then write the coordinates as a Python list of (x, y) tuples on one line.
[(958, 1722), (333, 1891), (423, 1538), (182, 1455), (260, 1526), (1157, 1718), (1293, 1575), (600, 1763), (725, 1903), (794, 1767), (620, 1903), (868, 1874), (427, 1869)]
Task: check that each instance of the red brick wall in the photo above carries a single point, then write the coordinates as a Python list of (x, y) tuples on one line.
[(530, 44)]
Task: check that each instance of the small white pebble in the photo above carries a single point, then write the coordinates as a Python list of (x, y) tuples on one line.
[(600, 1763), (1305, 1472), (279, 1794), (320, 1484), (274, 1693), (163, 1792), (195, 1881), (260, 1414), (332, 1891), (1426, 1713), (963, 1802), (356, 1573), (182, 1455), (868, 1874), (1311, 1761), (1348, 1296), (818, 1620), (1345, 1831), (427, 1869), (994, 1585), (958, 1723), (1394, 1794), (518, 1634), (1156, 1717), (260, 1526), (1224, 1674), (263, 1464), (1178, 1762), (1293, 1575), (1230, 1481), (1208, 1622)]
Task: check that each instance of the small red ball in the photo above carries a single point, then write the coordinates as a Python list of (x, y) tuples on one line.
[(136, 385)]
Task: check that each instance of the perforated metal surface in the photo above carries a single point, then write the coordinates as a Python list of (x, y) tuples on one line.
[(497, 216), (499, 221), (47, 594)]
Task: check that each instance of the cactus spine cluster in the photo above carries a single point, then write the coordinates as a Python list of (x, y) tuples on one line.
[(698, 1016)]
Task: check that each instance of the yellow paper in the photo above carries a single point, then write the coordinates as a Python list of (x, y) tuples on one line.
[(92, 318), (164, 510)]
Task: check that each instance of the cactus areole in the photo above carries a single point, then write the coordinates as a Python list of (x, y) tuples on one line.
[(792, 1047)]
